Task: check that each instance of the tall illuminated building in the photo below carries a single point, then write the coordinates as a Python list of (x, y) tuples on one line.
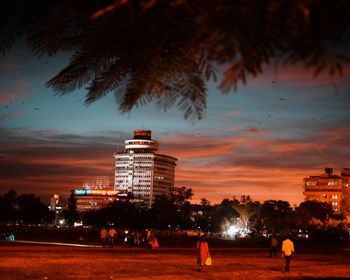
[(328, 187), (140, 172)]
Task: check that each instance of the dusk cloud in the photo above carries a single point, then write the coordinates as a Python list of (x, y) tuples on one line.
[(260, 141)]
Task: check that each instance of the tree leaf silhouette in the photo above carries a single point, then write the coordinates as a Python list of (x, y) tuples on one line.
[(165, 51)]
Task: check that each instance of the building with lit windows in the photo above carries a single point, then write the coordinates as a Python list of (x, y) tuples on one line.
[(328, 187), (98, 183), (88, 200), (96, 193), (140, 172), (54, 204)]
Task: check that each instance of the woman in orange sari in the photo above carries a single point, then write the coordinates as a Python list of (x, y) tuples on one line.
[(202, 253)]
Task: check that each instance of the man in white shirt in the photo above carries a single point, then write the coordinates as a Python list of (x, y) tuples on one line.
[(287, 251)]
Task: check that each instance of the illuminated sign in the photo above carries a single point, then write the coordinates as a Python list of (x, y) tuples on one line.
[(95, 192), (104, 192), (82, 192), (79, 192)]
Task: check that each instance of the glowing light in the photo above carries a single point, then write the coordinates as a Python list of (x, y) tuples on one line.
[(232, 230)]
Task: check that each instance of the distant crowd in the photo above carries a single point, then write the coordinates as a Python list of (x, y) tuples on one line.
[(4, 236), (133, 238), (148, 239)]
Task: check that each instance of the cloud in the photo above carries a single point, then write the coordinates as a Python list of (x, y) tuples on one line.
[(214, 166), (254, 164), (256, 131), (42, 161)]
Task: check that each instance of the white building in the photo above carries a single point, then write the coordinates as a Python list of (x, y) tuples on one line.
[(141, 173)]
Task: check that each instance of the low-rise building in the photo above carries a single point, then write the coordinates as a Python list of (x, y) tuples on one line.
[(87, 200), (328, 187)]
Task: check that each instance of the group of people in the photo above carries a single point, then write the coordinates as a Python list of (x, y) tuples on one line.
[(134, 238), (149, 240), (287, 250), (7, 236), (108, 236), (204, 258)]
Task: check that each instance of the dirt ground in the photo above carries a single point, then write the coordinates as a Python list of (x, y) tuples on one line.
[(21, 261)]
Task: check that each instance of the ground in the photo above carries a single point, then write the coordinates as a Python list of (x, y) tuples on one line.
[(29, 261)]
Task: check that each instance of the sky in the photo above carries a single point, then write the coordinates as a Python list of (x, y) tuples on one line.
[(260, 140)]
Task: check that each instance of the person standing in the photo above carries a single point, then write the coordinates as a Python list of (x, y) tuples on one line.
[(150, 238), (112, 235), (103, 236), (203, 255), (273, 246), (287, 251)]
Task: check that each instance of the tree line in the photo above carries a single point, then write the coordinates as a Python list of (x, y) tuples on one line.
[(313, 219), (24, 209)]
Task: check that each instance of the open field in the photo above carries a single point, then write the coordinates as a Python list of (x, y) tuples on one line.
[(27, 261)]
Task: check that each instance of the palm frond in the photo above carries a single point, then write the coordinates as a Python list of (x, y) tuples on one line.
[(13, 16)]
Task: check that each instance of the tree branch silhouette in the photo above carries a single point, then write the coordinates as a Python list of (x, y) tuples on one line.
[(166, 51)]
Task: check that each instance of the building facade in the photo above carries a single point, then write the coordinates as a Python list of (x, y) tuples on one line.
[(96, 193), (54, 203), (98, 183), (328, 187), (88, 200), (140, 172)]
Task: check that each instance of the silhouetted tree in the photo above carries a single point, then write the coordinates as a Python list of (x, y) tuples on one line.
[(31, 210), (181, 196), (24, 208), (312, 209), (277, 216), (246, 208), (202, 214), (174, 210), (8, 207), (164, 213), (164, 51), (70, 214), (223, 213)]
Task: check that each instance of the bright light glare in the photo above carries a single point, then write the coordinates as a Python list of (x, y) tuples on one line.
[(232, 230)]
